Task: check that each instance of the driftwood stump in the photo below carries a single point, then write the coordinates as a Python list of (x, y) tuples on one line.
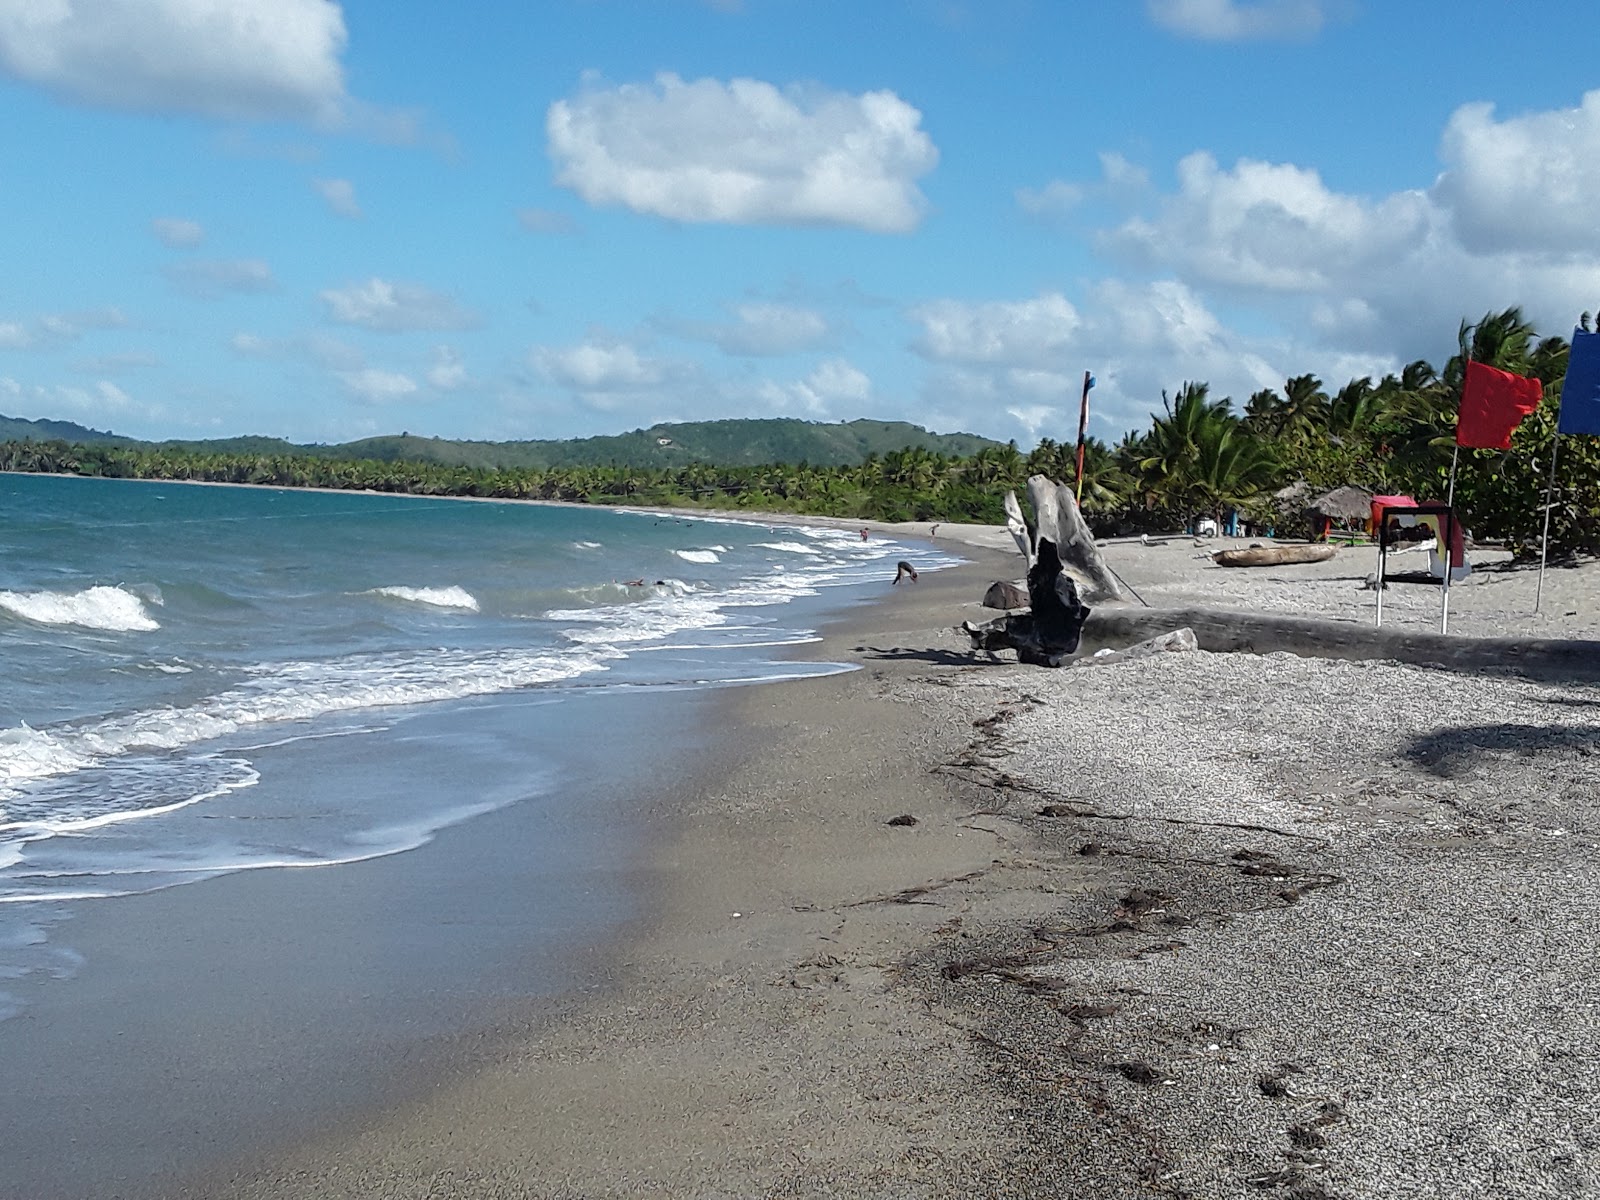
[(1048, 635)]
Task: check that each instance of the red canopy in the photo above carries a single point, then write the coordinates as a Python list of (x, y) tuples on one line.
[(1379, 503)]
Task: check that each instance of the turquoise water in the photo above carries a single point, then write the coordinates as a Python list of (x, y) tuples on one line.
[(209, 680)]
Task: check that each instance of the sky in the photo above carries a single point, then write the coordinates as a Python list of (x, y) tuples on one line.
[(324, 220)]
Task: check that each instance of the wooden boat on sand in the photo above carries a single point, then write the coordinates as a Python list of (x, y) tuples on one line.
[(1273, 556)]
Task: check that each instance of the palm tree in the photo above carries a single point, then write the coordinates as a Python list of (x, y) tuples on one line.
[(1305, 407)]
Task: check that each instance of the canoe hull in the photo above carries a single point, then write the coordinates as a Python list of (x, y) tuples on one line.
[(1273, 556)]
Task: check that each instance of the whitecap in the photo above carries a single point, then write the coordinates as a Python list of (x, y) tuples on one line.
[(698, 556), (790, 548), (447, 597), (99, 607)]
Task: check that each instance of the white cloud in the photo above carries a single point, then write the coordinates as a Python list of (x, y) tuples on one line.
[(316, 348), (1027, 358), (340, 195), (210, 278), (1035, 418), (1052, 200), (599, 366), (448, 373), (833, 382), (177, 232), (763, 329), (389, 307), (258, 59), (96, 404), (1013, 332), (744, 152), (1506, 223), (1525, 183), (1120, 181), (1240, 20), (373, 386), (54, 328), (1270, 226)]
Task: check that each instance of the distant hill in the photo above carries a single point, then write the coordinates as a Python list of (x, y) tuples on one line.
[(19, 429), (725, 443)]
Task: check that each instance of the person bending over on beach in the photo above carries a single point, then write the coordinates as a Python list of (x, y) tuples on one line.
[(904, 570)]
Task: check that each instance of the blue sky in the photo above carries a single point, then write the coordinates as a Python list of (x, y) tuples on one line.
[(321, 220)]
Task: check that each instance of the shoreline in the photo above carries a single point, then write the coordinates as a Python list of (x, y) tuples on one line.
[(746, 899), (1151, 935), (1209, 925)]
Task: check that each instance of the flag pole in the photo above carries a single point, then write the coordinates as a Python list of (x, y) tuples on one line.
[(1455, 457), (1083, 430), (1544, 538), (1448, 533), (1383, 556)]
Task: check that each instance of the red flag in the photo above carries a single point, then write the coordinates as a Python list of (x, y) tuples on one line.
[(1493, 403)]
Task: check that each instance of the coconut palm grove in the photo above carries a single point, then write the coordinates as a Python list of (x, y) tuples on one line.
[(1202, 455)]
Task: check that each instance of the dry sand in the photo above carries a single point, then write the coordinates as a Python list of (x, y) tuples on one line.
[(1201, 925)]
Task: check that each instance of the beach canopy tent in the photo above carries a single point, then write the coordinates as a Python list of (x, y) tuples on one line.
[(1379, 503)]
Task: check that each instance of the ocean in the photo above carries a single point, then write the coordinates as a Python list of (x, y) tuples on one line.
[(208, 680)]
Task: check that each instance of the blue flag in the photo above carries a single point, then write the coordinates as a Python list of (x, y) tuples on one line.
[(1580, 394), (1089, 384)]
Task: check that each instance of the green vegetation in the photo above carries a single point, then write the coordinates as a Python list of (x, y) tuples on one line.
[(746, 443), (1198, 457)]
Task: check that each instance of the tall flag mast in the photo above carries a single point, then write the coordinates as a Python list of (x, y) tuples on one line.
[(1083, 430)]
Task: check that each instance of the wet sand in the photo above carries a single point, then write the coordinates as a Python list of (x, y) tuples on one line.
[(1204, 925)]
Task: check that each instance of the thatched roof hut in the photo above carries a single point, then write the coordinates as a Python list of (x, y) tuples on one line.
[(1346, 504)]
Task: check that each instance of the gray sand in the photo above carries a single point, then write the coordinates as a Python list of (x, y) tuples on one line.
[(1202, 925)]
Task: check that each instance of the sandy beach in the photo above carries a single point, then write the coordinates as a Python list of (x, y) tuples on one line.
[(1203, 925)]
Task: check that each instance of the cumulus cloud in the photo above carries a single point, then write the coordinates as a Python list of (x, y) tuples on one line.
[(389, 307), (601, 366), (97, 403), (373, 386), (1026, 358), (211, 278), (14, 336), (1272, 226), (1505, 223), (1240, 20), (833, 383), (340, 196), (257, 59), (177, 232), (744, 152), (1525, 183), (1016, 332), (448, 373)]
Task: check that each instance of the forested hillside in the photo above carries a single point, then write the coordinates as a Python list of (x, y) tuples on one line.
[(733, 443)]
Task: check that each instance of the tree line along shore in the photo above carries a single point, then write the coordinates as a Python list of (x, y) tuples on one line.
[(1200, 456)]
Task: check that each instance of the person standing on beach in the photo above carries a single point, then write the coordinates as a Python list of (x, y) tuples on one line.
[(904, 570)]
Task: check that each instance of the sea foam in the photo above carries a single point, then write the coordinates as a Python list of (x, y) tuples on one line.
[(99, 607), (447, 597), (698, 556)]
